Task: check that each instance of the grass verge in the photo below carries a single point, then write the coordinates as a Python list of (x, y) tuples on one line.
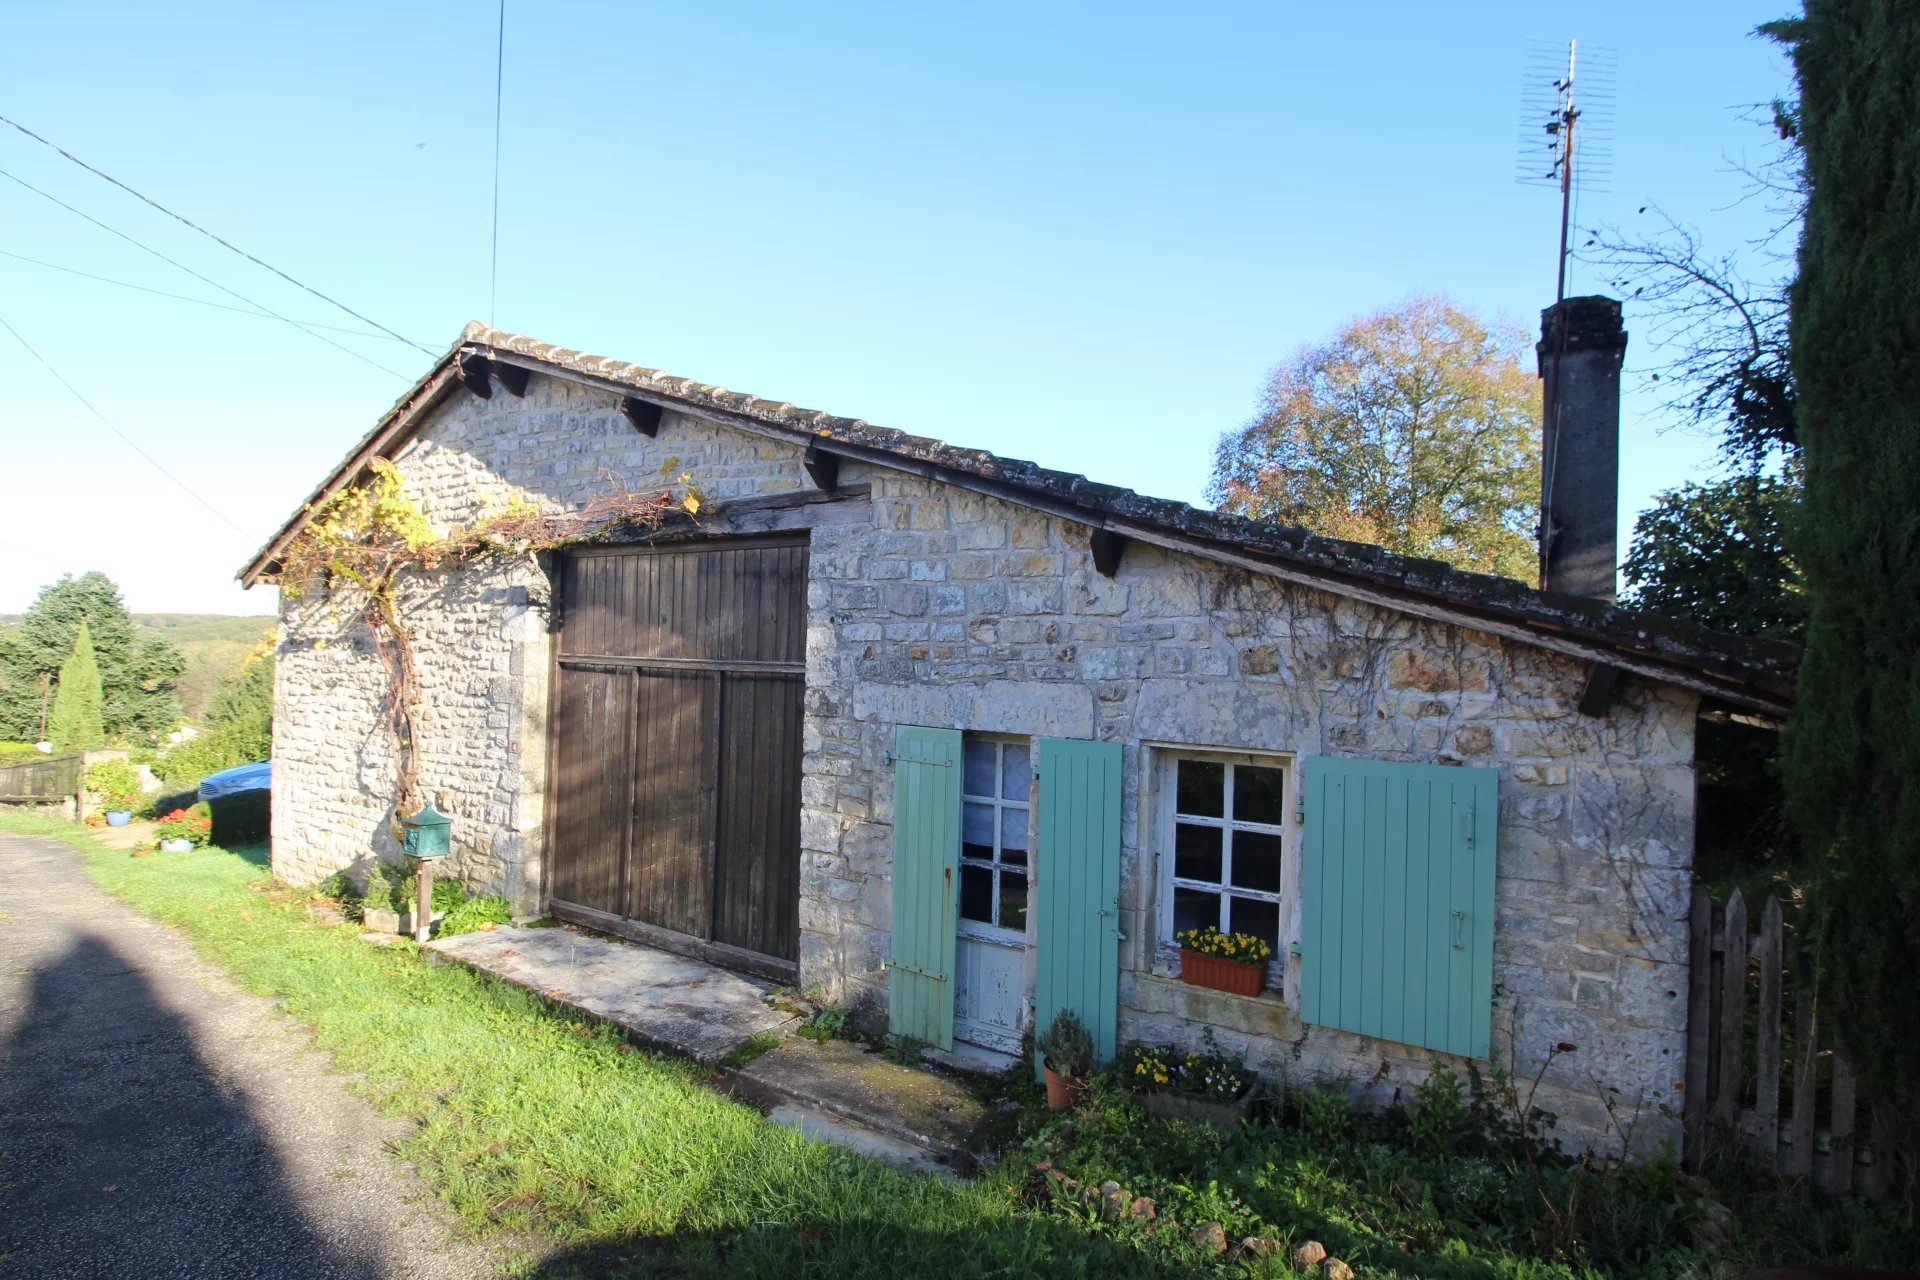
[(532, 1119)]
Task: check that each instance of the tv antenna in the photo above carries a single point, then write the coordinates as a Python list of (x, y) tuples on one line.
[(1566, 116), (1564, 141)]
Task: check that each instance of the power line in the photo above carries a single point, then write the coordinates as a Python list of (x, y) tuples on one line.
[(155, 462), (499, 69), (147, 248), (188, 222), (181, 297)]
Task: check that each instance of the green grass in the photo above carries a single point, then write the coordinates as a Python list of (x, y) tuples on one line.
[(533, 1120)]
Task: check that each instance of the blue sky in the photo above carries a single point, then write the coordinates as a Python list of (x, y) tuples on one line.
[(1077, 233)]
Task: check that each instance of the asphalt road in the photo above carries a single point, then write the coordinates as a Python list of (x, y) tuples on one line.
[(156, 1122)]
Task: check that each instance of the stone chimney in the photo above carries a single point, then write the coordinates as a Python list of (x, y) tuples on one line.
[(1580, 363)]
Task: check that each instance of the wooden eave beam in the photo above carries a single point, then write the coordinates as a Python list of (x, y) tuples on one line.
[(1108, 549), (643, 414), (474, 373), (823, 468)]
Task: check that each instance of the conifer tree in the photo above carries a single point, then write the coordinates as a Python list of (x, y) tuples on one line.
[(1852, 750), (75, 723)]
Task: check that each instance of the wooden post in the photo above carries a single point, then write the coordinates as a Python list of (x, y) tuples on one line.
[(1699, 1023), (1840, 1130), (1766, 1067), (1733, 1013), (1800, 1136), (423, 910)]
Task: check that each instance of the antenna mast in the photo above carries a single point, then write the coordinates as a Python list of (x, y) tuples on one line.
[(1549, 104)]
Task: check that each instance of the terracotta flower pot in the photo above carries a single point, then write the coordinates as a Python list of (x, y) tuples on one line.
[(1236, 976), (1063, 1092)]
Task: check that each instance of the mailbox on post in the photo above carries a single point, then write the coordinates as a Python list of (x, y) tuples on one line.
[(426, 838), (426, 833)]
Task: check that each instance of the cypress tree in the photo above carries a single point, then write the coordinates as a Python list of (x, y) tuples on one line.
[(1852, 750), (75, 722)]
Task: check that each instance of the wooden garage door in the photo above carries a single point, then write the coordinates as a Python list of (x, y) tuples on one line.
[(675, 789)]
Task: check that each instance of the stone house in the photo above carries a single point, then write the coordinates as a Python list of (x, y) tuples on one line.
[(962, 741)]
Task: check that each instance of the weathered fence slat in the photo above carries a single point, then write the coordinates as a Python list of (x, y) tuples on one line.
[(1840, 1130), (1733, 1003), (1738, 990), (1699, 1020), (1799, 1162), (1766, 1065)]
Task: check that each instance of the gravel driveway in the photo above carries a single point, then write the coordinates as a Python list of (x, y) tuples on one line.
[(155, 1121)]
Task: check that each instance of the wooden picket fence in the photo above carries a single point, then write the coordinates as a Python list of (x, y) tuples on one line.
[(1763, 1077), (47, 781)]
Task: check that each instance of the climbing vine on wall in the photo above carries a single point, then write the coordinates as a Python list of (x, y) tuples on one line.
[(359, 545)]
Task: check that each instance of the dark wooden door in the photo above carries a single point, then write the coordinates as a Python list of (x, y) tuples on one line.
[(675, 790)]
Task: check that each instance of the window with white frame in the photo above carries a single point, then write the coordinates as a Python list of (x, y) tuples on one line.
[(996, 789), (1222, 842)]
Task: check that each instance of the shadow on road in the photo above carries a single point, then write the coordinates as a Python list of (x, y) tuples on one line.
[(120, 1155)]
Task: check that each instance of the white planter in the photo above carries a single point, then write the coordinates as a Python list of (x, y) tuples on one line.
[(179, 845)]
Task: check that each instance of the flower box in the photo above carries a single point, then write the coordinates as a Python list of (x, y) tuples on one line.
[(1236, 976), (1192, 1106)]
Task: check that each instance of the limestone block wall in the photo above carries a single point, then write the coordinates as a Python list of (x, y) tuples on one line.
[(480, 637), (943, 608), (960, 611)]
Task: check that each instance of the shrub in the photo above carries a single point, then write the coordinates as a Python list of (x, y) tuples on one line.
[(116, 783), (470, 914), (376, 890)]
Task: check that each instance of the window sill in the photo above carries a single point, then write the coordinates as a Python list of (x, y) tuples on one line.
[(1271, 995)]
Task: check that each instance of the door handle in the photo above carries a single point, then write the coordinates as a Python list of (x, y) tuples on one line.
[(1459, 929)]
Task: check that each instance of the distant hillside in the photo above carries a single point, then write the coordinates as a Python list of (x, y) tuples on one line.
[(212, 643)]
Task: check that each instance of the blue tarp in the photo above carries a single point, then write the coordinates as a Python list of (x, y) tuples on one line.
[(242, 777)]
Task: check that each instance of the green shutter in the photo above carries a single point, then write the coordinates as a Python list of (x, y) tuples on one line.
[(1397, 902), (1077, 894), (926, 866)]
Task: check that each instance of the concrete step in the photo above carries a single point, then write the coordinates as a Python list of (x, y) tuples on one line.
[(871, 1143), (933, 1113)]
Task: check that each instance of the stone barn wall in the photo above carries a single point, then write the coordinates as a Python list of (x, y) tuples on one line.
[(933, 606)]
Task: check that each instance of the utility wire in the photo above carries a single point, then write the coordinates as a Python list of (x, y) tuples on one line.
[(155, 462), (499, 67), (181, 297), (216, 239), (203, 279)]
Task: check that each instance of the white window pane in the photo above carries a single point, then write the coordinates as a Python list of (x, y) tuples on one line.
[(1261, 919), (1013, 834), (976, 894), (1259, 794), (1013, 900), (1196, 852), (979, 764), (1016, 772), (1195, 909), (976, 830), (1256, 861), (1200, 788)]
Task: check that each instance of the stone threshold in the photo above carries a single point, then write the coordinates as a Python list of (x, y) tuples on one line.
[(838, 1092)]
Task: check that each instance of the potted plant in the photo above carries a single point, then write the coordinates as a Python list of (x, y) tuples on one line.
[(118, 787), (1232, 962), (1066, 1059), (184, 830)]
